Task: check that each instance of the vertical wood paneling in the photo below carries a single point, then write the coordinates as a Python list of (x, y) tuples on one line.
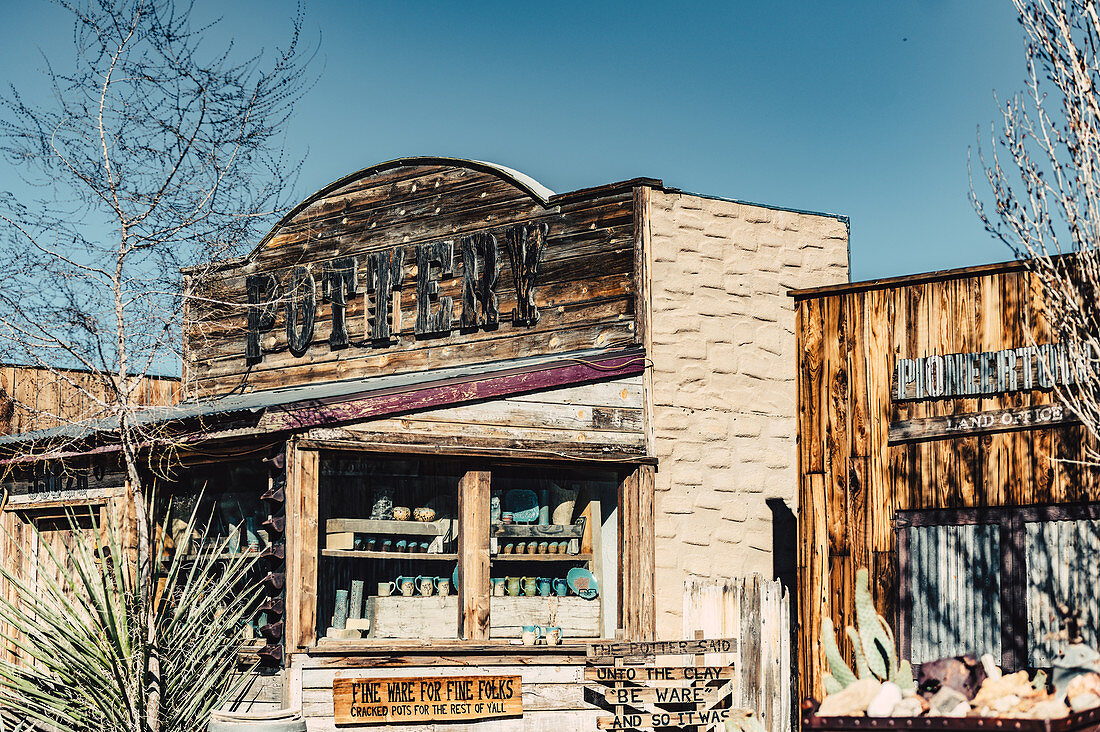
[(852, 481), (473, 550), (637, 615)]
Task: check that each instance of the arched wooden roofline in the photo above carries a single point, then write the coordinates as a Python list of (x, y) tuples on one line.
[(525, 183)]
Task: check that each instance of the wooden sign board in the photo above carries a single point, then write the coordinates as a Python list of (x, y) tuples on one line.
[(977, 423), (658, 673), (635, 695), (670, 719), (425, 699), (606, 653), (643, 694)]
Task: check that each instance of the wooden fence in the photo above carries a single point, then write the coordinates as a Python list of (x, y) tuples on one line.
[(757, 612)]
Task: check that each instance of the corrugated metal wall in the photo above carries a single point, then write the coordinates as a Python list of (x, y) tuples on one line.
[(1063, 569), (955, 586)]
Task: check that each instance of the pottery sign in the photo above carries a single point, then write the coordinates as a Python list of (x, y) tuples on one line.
[(425, 699), (376, 278)]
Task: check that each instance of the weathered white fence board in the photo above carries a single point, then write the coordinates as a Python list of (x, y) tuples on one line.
[(757, 612)]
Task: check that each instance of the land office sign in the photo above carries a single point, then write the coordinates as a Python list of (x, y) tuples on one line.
[(378, 278)]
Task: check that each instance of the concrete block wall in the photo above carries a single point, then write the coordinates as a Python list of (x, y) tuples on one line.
[(723, 351)]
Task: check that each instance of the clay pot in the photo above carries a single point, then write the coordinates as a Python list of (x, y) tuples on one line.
[(401, 513), (423, 514)]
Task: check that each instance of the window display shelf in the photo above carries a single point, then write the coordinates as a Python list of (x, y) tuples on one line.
[(441, 527), (522, 531), (363, 554), (543, 557)]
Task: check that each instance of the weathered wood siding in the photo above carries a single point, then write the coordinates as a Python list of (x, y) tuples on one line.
[(584, 289), (851, 480), (553, 694), (584, 421), (36, 398)]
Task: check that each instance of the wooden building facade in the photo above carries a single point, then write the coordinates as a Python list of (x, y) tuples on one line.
[(457, 407), (933, 452)]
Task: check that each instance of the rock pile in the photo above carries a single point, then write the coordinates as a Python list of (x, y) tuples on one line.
[(963, 687)]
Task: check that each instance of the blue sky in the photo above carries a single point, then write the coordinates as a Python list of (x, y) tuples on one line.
[(861, 108)]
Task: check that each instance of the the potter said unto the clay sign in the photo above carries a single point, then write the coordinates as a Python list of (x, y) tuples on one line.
[(425, 699)]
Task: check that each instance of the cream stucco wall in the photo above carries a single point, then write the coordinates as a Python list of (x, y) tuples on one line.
[(723, 351)]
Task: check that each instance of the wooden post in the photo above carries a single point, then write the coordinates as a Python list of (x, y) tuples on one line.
[(473, 555), (636, 526), (301, 547)]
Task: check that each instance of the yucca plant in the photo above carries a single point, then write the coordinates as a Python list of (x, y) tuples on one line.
[(87, 636)]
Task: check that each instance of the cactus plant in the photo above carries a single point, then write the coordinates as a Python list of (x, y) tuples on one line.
[(873, 643)]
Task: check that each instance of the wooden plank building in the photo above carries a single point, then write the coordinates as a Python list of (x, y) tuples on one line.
[(932, 452), (430, 347)]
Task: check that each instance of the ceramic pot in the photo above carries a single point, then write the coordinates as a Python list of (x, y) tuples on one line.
[(401, 513), (530, 634), (423, 514), (407, 585), (513, 586), (426, 585)]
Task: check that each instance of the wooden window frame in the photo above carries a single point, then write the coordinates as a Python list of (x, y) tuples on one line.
[(635, 613), (1012, 567)]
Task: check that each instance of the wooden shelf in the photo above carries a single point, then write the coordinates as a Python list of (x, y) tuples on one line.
[(440, 527), (527, 531), (363, 554), (544, 557)]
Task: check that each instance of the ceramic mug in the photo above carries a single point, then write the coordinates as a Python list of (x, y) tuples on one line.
[(561, 587), (530, 634), (407, 585), (426, 585), (444, 585), (512, 585), (385, 589), (529, 586), (498, 586), (544, 586), (553, 635)]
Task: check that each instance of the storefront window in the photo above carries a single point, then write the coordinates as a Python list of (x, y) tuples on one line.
[(390, 547), (554, 551)]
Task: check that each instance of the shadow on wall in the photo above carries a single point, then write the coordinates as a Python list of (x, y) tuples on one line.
[(784, 546), (785, 569)]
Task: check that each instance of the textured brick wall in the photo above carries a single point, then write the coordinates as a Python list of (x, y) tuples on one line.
[(724, 380)]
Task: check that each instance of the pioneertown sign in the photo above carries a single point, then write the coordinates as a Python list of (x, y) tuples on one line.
[(378, 278), (988, 372)]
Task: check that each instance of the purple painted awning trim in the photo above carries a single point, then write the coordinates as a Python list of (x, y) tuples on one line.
[(492, 385), (302, 415)]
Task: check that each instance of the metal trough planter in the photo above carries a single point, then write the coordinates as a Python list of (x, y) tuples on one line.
[(1087, 721)]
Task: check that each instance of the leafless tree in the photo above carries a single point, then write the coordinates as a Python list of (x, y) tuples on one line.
[(150, 154), (1044, 187)]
